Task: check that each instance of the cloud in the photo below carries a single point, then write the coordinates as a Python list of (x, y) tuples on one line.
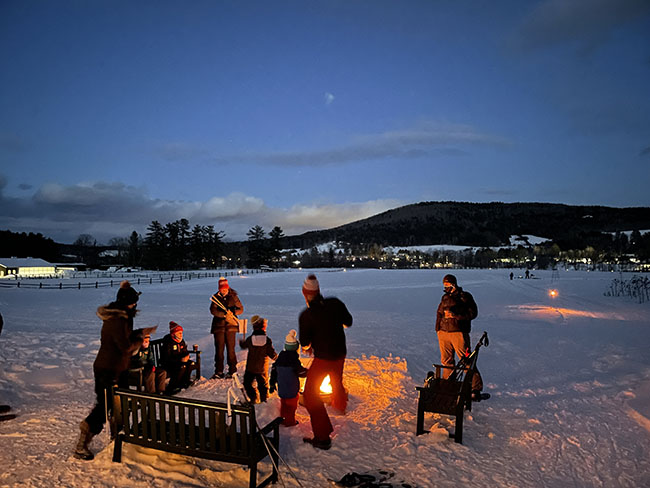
[(113, 209), (589, 23), (25, 186), (428, 139), (645, 152), (329, 98)]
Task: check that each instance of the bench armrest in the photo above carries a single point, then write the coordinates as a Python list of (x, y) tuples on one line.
[(271, 425)]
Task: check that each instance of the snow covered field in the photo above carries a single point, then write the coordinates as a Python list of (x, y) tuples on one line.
[(569, 378)]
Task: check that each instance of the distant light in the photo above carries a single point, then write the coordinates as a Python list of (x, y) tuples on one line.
[(553, 293), (239, 271)]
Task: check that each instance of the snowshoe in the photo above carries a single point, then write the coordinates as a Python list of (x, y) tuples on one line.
[(4, 408), (9, 416), (477, 396)]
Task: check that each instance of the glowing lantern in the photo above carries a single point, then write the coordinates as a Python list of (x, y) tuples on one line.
[(553, 293)]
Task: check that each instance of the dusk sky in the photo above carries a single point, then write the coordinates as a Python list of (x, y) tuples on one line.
[(312, 114)]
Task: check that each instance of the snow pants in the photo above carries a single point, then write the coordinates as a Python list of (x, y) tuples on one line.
[(179, 377), (225, 338), (459, 343), (104, 381), (262, 386), (288, 407), (320, 421)]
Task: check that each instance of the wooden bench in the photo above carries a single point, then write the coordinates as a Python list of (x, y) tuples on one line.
[(195, 428), (446, 396), (156, 349)]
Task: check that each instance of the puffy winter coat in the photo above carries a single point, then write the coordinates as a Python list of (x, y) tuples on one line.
[(321, 327), (172, 353), (230, 302), (260, 349), (143, 359), (463, 310), (286, 373), (118, 340)]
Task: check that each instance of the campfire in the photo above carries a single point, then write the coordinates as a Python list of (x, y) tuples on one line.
[(325, 390)]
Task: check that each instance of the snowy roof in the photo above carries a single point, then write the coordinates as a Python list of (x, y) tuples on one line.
[(24, 263)]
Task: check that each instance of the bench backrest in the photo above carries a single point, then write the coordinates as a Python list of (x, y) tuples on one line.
[(186, 426)]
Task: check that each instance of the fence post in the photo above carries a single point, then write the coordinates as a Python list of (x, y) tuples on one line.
[(79, 286), (60, 285), (96, 284)]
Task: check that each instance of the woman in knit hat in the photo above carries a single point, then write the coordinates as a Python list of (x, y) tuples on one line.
[(285, 377), (260, 350), (225, 306), (322, 326), (118, 343)]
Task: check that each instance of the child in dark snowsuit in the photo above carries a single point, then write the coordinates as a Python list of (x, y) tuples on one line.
[(175, 359), (260, 349), (285, 375), (153, 379)]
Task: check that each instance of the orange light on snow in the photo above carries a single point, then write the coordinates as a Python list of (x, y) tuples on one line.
[(552, 293), (326, 386)]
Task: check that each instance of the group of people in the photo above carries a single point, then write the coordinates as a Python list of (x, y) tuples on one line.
[(321, 334)]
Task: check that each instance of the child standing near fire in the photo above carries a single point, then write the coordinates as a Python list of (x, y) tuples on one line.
[(260, 350), (285, 377)]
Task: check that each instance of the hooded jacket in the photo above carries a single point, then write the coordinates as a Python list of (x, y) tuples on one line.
[(260, 349), (118, 340), (286, 373), (463, 308)]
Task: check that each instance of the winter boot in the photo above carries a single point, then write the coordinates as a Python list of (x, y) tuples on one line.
[(82, 451)]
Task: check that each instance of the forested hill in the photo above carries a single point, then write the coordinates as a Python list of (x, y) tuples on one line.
[(481, 224)]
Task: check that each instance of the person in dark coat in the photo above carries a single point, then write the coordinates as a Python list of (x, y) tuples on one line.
[(224, 307), (260, 350), (152, 378), (175, 359), (454, 317), (118, 343), (285, 377), (322, 333)]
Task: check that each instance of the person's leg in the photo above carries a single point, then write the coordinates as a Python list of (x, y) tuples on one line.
[(185, 381), (446, 352), (262, 386), (320, 421), (288, 408), (161, 380), (248, 386), (339, 395), (219, 343), (231, 335), (149, 380)]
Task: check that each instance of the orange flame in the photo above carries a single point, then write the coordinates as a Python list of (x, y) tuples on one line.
[(326, 386), (553, 293)]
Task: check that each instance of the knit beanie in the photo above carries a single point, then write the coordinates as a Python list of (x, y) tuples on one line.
[(258, 322), (310, 288), (126, 295), (450, 278), (174, 327), (291, 342), (223, 284)]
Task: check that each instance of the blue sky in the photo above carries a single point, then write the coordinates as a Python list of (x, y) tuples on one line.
[(308, 115)]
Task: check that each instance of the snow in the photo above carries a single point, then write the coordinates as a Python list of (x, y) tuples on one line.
[(569, 378)]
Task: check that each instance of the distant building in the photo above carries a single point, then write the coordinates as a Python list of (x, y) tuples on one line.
[(26, 267)]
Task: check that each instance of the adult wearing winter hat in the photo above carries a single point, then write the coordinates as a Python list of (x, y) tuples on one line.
[(454, 317), (322, 326), (118, 343), (224, 307)]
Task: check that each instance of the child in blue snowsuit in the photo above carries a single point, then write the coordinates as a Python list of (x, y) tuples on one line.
[(285, 376)]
